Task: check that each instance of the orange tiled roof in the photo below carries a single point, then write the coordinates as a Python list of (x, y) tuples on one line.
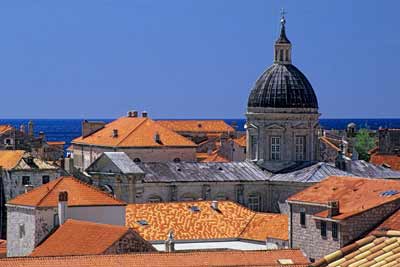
[(206, 126), (215, 157), (56, 143), (267, 258), (327, 141), (355, 194), (391, 223), (392, 160), (134, 132), (241, 141), (373, 250), (10, 158), (85, 238), (79, 194), (230, 221), (3, 248), (5, 128)]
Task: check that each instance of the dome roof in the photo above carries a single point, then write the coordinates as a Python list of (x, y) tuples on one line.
[(282, 86)]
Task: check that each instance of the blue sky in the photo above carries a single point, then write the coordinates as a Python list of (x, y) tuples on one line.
[(192, 59)]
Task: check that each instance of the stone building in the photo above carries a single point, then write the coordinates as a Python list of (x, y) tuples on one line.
[(141, 138), (35, 214), (76, 237), (20, 172), (282, 113), (335, 212), (388, 151), (200, 225)]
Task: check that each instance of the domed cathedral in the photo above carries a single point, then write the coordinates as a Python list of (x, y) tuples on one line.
[(282, 113)]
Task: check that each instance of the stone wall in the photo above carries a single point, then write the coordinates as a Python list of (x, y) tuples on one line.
[(308, 237), (130, 242), (363, 223), (85, 155), (20, 218)]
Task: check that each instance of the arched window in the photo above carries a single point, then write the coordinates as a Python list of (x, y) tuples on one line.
[(254, 202), (137, 160), (154, 199)]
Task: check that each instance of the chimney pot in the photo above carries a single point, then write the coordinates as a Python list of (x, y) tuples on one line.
[(170, 242), (130, 114), (115, 133), (62, 206), (334, 209), (28, 188), (135, 114), (214, 204), (144, 114)]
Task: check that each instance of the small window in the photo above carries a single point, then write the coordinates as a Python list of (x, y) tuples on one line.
[(275, 148), (21, 230), (254, 202), (177, 160), (303, 218), (154, 199), (45, 179), (25, 180), (323, 228), (137, 160), (7, 141), (334, 230), (194, 208), (143, 222)]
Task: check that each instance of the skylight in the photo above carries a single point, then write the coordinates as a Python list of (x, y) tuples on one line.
[(389, 193), (194, 208), (143, 222)]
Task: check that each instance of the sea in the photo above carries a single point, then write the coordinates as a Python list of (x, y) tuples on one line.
[(68, 129)]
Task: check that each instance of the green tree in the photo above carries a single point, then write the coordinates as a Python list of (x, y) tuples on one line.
[(364, 143)]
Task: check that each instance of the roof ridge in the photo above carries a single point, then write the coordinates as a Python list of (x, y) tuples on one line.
[(94, 188), (49, 190), (247, 224), (134, 129)]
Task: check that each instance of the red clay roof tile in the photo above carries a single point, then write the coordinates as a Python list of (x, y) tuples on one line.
[(268, 258), (230, 221), (391, 160), (204, 126), (134, 132), (10, 158), (79, 194), (85, 238), (355, 194)]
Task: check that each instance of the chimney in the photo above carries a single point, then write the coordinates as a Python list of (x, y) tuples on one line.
[(144, 114), (115, 133), (41, 135), (22, 128), (170, 242), (333, 206), (130, 115), (135, 114), (214, 205), (62, 206), (28, 188)]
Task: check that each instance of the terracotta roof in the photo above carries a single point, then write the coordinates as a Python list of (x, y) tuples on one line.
[(5, 128), (355, 194), (241, 141), (268, 258), (391, 160), (10, 158), (215, 157), (231, 220), (206, 126), (374, 250), (134, 132), (55, 143), (86, 238), (391, 223), (329, 142), (3, 248), (79, 194)]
